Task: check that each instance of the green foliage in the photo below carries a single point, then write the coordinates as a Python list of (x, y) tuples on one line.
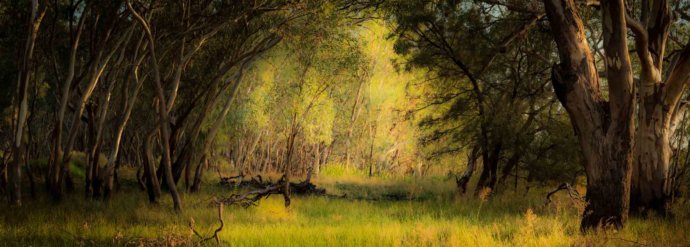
[(11, 15), (77, 166), (483, 88), (311, 79), (339, 170)]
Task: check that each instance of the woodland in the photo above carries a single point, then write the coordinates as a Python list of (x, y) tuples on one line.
[(344, 122)]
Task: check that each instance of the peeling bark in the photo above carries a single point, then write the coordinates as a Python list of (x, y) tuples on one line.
[(659, 108), (604, 129)]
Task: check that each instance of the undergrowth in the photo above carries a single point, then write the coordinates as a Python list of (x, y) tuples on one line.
[(364, 211)]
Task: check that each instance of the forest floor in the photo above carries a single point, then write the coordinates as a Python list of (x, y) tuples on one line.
[(379, 212)]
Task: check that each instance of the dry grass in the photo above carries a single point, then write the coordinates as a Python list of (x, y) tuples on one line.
[(426, 212)]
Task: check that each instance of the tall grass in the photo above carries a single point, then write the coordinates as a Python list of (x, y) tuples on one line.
[(423, 212)]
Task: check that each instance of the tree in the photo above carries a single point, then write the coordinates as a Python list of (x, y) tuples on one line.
[(604, 128), (480, 75), (603, 119), (659, 104), (659, 93), (21, 102)]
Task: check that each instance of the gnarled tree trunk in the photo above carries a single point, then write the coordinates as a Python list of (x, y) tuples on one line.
[(650, 188), (658, 106), (604, 129)]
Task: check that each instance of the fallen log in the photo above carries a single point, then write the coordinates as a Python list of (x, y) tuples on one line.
[(257, 182), (262, 189), (251, 197), (306, 188), (239, 181)]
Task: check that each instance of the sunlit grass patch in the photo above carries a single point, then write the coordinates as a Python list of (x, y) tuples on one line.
[(428, 213)]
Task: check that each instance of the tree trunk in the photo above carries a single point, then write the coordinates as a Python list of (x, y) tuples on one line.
[(511, 164), (659, 107), (57, 151), (3, 169), (213, 131), (317, 158), (198, 175), (14, 170), (162, 111), (14, 176), (650, 187), (60, 170), (90, 165), (471, 164), (353, 119), (372, 134), (604, 129), (152, 185), (490, 159), (105, 175)]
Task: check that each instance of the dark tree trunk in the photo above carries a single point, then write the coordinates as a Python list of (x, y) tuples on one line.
[(487, 180), (152, 185), (462, 180), (511, 164), (21, 104)]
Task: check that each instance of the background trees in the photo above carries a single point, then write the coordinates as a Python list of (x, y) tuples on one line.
[(489, 82)]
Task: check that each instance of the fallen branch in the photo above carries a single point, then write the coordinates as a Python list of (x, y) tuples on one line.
[(215, 233), (251, 197), (257, 182), (572, 193), (306, 188), (239, 181)]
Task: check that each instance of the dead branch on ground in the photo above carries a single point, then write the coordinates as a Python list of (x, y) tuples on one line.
[(572, 193), (215, 233)]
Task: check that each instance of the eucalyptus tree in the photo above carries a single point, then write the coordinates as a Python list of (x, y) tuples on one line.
[(78, 72), (607, 141), (603, 119), (21, 100), (664, 72), (107, 64), (324, 56), (203, 47), (260, 32)]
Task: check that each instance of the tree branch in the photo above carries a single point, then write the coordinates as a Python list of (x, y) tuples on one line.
[(641, 41), (678, 78)]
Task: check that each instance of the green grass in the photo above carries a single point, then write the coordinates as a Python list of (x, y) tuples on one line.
[(430, 213)]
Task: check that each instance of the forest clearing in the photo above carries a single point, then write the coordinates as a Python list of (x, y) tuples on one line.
[(428, 212), (345, 122)]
